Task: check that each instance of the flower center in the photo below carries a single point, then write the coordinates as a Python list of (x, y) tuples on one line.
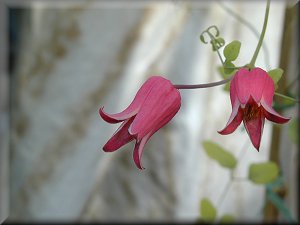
[(252, 111)]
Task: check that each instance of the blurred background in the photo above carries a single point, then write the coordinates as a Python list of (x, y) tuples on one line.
[(67, 59)]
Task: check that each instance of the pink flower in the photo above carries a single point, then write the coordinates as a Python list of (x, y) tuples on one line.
[(154, 105), (251, 95)]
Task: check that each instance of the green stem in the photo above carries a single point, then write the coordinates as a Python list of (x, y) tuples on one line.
[(278, 202), (224, 193), (286, 97), (220, 57), (261, 38), (251, 27), (207, 85), (213, 38), (234, 67)]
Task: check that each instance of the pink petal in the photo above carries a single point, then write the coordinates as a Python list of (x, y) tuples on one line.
[(269, 90), (120, 137), (254, 122), (233, 93), (237, 86), (234, 121), (272, 115), (161, 105), (255, 129), (135, 105), (248, 83), (138, 150), (110, 118)]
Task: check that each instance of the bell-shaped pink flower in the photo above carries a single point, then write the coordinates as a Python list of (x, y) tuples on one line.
[(154, 105), (251, 95)]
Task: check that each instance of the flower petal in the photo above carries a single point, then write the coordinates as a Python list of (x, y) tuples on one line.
[(110, 118), (120, 137), (272, 115), (234, 121), (254, 128), (138, 150), (161, 105), (250, 83), (135, 105), (268, 92), (233, 93)]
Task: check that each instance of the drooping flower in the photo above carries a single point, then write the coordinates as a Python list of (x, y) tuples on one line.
[(251, 95), (155, 104)]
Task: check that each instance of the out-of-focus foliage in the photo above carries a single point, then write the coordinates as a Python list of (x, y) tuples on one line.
[(275, 74), (207, 211), (218, 153), (293, 130), (227, 218), (232, 50), (263, 173)]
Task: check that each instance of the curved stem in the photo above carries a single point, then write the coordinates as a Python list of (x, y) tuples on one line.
[(213, 38), (223, 194), (196, 86), (261, 38), (293, 82), (286, 97), (251, 27)]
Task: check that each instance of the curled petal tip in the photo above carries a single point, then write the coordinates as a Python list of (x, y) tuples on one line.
[(107, 149), (234, 121), (137, 161), (138, 151), (106, 117), (129, 112), (273, 116), (222, 132), (100, 110), (256, 146), (232, 126), (141, 167)]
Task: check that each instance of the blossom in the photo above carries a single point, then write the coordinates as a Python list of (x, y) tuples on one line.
[(251, 95), (155, 104)]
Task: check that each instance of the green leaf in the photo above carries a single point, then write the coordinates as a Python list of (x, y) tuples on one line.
[(276, 74), (216, 152), (226, 87), (232, 50), (222, 72), (227, 218), (207, 210), (293, 130), (263, 173), (228, 67), (225, 76)]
